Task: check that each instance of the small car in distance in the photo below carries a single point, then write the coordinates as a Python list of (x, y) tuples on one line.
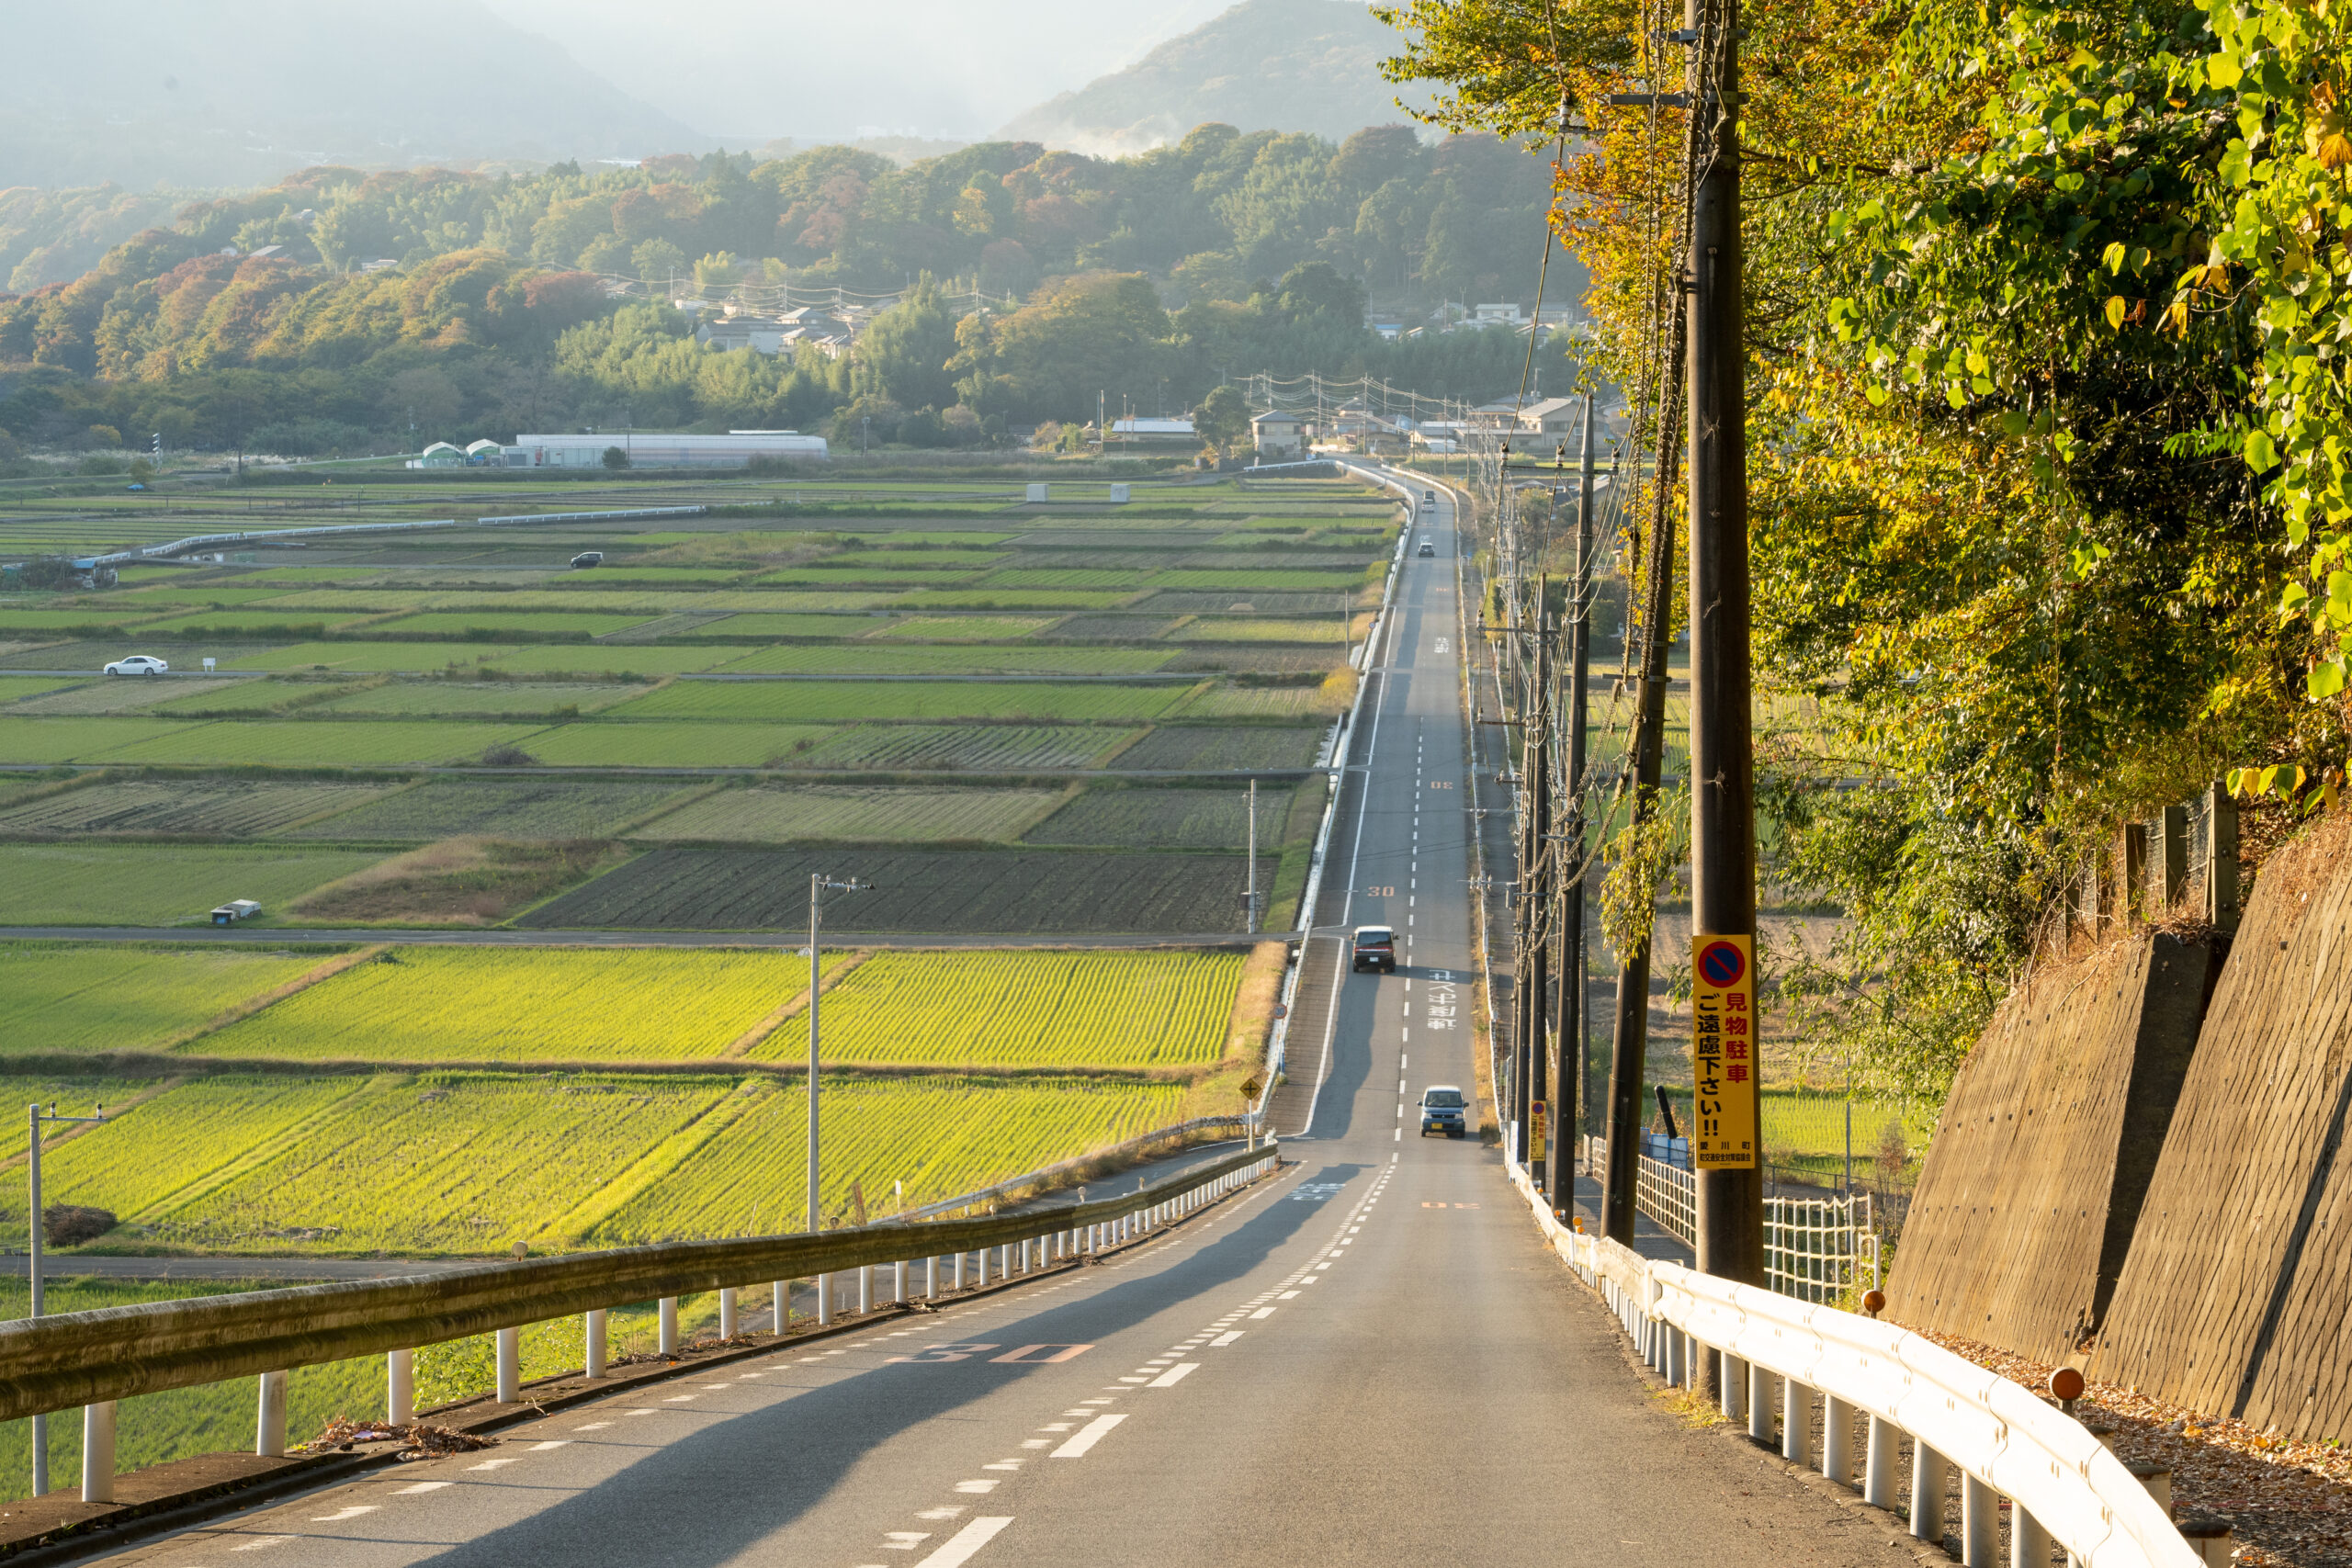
[(1375, 948), (1429, 547), (138, 664), (235, 909), (1443, 1110), (1429, 500), (587, 559)]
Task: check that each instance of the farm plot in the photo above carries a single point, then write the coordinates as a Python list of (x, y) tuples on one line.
[(249, 625), (521, 626), (428, 1004), (510, 809), (859, 577), (73, 1096), (203, 808), (857, 813), (50, 623), (154, 884), (443, 1163), (774, 602), (1189, 748), (745, 625), (1291, 704), (686, 745), (167, 1149), (1127, 578), (843, 702), (1012, 599), (72, 740), (368, 658), (984, 748), (1260, 631), (111, 695), (322, 743), (1163, 819), (980, 659), (967, 892), (965, 628), (15, 688), (71, 997), (939, 1136), (609, 660), (1269, 579), (1091, 1010), (896, 560), (483, 699)]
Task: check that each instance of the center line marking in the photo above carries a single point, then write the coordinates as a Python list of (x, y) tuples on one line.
[(1263, 1311), (1094, 1432), (1176, 1374), (423, 1486), (958, 1548), (1226, 1338), (340, 1514)]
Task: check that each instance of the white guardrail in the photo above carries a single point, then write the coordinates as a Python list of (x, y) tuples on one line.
[(1879, 1383), (1817, 1249)]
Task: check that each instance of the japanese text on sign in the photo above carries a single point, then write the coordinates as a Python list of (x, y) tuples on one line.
[(1723, 1053)]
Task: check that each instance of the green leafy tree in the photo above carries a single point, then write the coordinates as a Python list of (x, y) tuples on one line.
[(1222, 421)]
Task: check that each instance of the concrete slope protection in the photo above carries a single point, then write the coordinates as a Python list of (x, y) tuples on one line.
[(1370, 1359)]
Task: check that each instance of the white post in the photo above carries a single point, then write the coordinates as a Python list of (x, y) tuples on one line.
[(510, 1366), (1734, 1387), (780, 1306), (1759, 1403), (931, 1277), (899, 1284), (1836, 1440), (669, 1314), (1980, 1524), (727, 1324), (269, 1420), (2029, 1543), (1796, 1422), (592, 1362), (1927, 1482), (1879, 1464), (97, 1452), (400, 1388), (984, 1268), (824, 1300), (864, 1289), (959, 1272), (1004, 1261)]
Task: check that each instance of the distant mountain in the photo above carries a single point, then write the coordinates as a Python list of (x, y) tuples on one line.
[(1263, 65), (243, 92)]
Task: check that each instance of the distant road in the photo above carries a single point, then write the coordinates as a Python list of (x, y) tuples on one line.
[(280, 936)]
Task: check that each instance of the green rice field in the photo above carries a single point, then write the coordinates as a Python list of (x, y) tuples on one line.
[(853, 813), (68, 997), (849, 701), (159, 884)]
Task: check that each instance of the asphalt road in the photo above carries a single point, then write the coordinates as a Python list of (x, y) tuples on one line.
[(1370, 1359)]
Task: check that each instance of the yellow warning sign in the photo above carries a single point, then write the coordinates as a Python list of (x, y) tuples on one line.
[(1723, 1053)]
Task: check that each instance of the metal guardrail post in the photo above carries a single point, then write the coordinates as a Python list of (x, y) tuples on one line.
[(269, 1418), (2030, 1542), (780, 1306), (1796, 1422), (593, 1332), (510, 1366), (726, 1326), (899, 1284), (1759, 1402), (1929, 1477), (1880, 1461), (1734, 1386), (400, 1386), (668, 1319), (1836, 1440), (825, 1296), (1980, 1524), (864, 1289), (97, 1452)]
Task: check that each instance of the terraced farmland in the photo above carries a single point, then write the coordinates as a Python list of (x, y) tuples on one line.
[(481, 699), (512, 808), (321, 743), (963, 892), (481, 1004), (70, 739), (940, 1136), (443, 1163), (115, 695), (851, 701), (1021, 1009), (368, 658), (1163, 819), (965, 628), (686, 745), (874, 813), (159, 884), (73, 998), (981, 658), (1211, 749), (194, 809), (996, 748)]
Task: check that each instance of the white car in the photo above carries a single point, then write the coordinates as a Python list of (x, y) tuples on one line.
[(138, 664)]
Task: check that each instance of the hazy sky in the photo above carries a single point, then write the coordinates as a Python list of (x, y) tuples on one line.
[(755, 69)]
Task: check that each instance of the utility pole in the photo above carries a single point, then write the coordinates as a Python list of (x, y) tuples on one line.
[(1532, 980), (819, 886), (1722, 782), (1568, 1075), (1251, 895), (35, 1116)]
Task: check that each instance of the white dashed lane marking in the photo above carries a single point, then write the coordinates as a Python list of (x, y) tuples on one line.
[(1094, 1432)]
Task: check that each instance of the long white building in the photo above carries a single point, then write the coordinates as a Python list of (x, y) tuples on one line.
[(656, 449)]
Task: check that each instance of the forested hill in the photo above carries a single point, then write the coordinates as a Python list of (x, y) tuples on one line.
[(1292, 65), (493, 317)]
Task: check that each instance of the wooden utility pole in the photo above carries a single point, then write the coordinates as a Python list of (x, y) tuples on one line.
[(1722, 780), (1568, 1077)]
